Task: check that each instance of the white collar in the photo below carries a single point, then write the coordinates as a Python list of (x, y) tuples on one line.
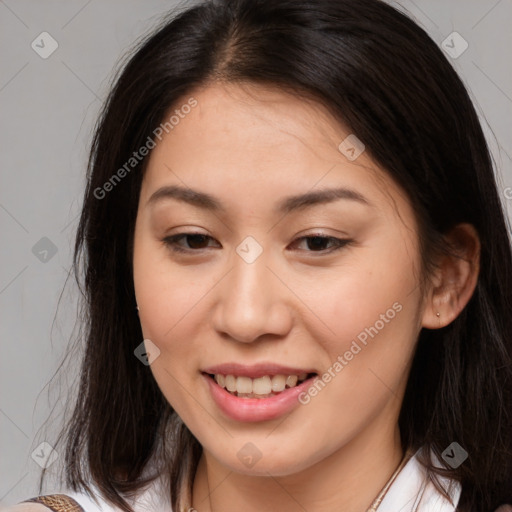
[(413, 491)]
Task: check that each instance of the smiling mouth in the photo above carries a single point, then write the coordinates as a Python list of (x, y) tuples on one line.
[(261, 387)]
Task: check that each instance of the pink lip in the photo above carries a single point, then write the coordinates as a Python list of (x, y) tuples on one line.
[(256, 409), (256, 370)]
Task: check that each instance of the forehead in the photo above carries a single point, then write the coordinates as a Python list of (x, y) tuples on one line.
[(255, 118), (251, 143)]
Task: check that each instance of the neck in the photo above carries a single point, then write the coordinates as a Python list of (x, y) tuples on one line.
[(349, 479)]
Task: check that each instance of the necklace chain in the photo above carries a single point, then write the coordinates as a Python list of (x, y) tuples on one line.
[(378, 500)]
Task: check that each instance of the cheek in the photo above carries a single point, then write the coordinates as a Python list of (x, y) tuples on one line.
[(167, 294), (369, 289), (168, 297), (371, 310), (366, 365)]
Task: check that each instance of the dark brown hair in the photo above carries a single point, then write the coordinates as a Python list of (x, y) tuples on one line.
[(381, 75)]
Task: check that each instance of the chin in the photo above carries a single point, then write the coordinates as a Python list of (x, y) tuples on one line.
[(274, 464)]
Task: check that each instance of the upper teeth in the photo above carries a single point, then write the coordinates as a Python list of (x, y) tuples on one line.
[(260, 386)]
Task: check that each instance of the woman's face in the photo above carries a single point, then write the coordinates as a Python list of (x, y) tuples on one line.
[(270, 286)]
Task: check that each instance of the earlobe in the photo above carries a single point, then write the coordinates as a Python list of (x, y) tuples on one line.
[(455, 278)]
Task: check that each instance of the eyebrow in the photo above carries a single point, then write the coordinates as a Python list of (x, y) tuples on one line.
[(286, 205)]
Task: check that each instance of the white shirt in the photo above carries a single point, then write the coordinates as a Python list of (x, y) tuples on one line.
[(411, 491)]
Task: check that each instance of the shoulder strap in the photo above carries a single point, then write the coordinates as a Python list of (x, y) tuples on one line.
[(57, 503)]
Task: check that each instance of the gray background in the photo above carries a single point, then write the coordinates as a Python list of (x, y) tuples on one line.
[(48, 110)]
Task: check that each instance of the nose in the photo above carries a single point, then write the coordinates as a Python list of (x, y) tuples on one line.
[(252, 302)]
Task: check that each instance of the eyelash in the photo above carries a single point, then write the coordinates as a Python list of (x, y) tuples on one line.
[(171, 242)]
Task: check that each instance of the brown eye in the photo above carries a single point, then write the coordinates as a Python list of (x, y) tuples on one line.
[(317, 243), (194, 242)]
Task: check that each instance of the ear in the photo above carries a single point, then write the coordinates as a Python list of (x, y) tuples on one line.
[(454, 280)]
